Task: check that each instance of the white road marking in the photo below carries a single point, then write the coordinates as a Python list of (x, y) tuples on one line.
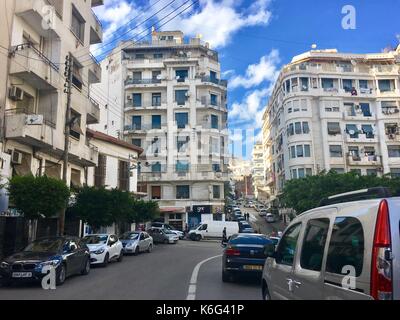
[(193, 280)]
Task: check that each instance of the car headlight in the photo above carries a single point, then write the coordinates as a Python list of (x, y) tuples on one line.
[(54, 263), (99, 251), (4, 265), (130, 244)]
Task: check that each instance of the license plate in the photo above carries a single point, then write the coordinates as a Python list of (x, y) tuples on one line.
[(252, 267), (22, 274)]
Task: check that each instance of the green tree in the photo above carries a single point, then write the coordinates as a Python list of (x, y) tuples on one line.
[(38, 196), (304, 194), (143, 211)]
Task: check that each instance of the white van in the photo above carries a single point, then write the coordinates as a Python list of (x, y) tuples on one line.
[(213, 229)]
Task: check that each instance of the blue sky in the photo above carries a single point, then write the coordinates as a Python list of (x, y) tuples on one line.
[(255, 38)]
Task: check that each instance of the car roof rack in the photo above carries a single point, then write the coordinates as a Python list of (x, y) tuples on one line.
[(358, 195)]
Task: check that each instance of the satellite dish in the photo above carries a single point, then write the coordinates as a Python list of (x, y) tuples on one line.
[(351, 132)]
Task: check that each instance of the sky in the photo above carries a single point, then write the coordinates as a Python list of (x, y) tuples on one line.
[(254, 40)]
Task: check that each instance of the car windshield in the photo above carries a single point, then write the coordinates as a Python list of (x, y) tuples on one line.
[(95, 239), (45, 245), (130, 236)]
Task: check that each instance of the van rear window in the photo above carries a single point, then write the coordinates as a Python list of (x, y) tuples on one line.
[(246, 239), (346, 248)]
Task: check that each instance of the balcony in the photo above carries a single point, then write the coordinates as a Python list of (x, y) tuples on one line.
[(146, 105), (214, 81), (142, 82), (206, 102), (94, 70), (372, 160), (361, 138), (143, 128), (34, 15), (93, 112), (34, 68), (96, 29), (83, 154)]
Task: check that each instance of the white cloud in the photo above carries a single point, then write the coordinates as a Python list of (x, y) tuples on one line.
[(227, 73), (265, 70)]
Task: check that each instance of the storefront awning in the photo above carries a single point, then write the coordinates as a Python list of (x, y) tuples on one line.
[(172, 209)]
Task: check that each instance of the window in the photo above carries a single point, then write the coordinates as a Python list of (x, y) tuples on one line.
[(75, 128), (372, 172), (347, 85), (123, 173), (216, 192), (214, 121), (384, 85), (182, 119), (287, 86), (139, 56), (213, 99), (352, 130), (327, 83), (306, 128), (181, 96), (314, 244), (181, 75), (300, 173), (77, 79), (137, 75), (368, 130), (137, 142), (297, 127), (294, 173), (77, 24), (293, 152), (304, 84), (308, 172), (299, 151), (395, 172), (394, 151), (307, 151), (156, 121), (182, 166), (287, 246), (157, 55), (156, 167), (365, 109), (136, 122), (213, 76), (338, 170), (363, 84), (182, 143), (216, 167), (156, 145), (100, 171), (156, 99), (336, 151), (290, 129), (346, 246), (182, 192), (356, 171), (137, 99), (155, 75), (334, 128)]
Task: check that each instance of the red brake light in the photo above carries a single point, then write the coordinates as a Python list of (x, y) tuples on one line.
[(232, 252), (381, 264)]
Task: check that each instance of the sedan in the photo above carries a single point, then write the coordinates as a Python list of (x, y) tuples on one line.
[(244, 254), (163, 236), (104, 248), (68, 255), (136, 241)]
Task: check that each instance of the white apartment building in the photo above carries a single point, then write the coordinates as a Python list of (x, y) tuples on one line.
[(258, 171), (174, 107), (334, 111), (42, 34)]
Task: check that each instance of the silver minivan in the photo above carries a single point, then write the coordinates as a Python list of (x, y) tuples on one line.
[(346, 249)]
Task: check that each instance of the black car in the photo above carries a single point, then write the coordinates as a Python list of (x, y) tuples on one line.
[(67, 254), (244, 254)]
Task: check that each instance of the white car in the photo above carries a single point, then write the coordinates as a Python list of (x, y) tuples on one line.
[(161, 225), (270, 217), (104, 248), (136, 242)]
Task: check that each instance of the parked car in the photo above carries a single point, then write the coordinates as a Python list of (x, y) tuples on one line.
[(270, 218), (263, 212), (354, 233), (163, 235), (136, 241), (244, 253), (244, 225), (259, 207), (161, 225), (68, 255), (104, 248), (213, 229), (248, 229)]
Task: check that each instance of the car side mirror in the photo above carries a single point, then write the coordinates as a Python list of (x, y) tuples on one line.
[(269, 250)]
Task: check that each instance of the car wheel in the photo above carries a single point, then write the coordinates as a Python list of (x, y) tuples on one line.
[(136, 251), (61, 275), (166, 241), (226, 277), (265, 293), (121, 256), (86, 268), (106, 260), (150, 248), (198, 237)]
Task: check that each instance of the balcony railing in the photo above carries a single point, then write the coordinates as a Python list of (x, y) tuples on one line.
[(223, 83), (144, 127), (21, 50), (130, 81)]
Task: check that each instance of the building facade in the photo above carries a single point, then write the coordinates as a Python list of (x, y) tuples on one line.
[(240, 174), (42, 34), (174, 107), (258, 172), (333, 111)]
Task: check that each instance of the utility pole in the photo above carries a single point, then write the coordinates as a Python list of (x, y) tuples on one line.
[(69, 62)]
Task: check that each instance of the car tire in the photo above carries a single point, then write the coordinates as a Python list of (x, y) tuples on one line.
[(86, 268), (150, 248), (198, 237), (121, 256), (106, 260), (62, 274), (166, 241), (265, 293), (136, 251)]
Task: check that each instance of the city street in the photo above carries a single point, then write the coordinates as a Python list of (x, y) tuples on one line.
[(163, 274)]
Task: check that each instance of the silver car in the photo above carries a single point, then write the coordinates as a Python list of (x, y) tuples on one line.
[(343, 250), (136, 241)]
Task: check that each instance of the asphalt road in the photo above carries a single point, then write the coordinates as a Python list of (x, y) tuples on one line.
[(165, 273)]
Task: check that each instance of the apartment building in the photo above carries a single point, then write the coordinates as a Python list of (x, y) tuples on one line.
[(174, 107), (240, 175), (42, 34), (260, 191), (333, 111)]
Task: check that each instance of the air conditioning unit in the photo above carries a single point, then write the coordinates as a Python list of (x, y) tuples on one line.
[(34, 119), (16, 157), (16, 94)]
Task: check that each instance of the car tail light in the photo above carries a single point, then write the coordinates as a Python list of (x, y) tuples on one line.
[(232, 252), (381, 266)]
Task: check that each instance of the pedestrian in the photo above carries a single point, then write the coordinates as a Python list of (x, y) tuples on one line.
[(224, 239), (186, 230)]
